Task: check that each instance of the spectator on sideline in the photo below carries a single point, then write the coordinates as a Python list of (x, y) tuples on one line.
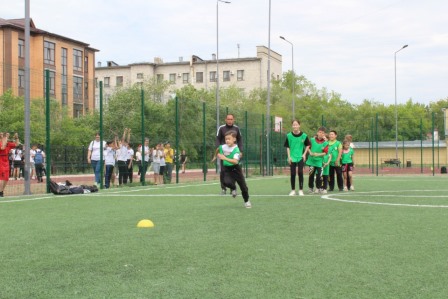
[(109, 159), (39, 159), (122, 156), (169, 159), (156, 163), (144, 161), (183, 160), (220, 140), (5, 147), (93, 157)]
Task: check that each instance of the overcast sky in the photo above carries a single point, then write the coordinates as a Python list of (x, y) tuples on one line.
[(346, 46)]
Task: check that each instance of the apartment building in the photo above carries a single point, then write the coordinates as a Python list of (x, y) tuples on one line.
[(244, 73), (71, 65)]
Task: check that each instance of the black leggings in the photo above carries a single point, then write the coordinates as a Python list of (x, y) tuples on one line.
[(293, 167), (318, 172)]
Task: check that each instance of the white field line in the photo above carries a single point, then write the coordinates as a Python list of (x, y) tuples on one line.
[(331, 197), (119, 192)]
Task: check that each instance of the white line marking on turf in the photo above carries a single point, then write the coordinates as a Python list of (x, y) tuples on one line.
[(329, 197), (116, 193)]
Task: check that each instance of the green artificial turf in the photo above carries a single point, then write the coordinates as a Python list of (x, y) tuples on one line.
[(387, 239)]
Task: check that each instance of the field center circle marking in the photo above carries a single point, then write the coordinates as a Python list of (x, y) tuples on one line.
[(332, 198)]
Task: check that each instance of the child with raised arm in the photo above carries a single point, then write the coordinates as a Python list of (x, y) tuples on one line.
[(229, 153), (297, 145)]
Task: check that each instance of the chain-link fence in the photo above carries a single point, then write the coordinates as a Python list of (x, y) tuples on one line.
[(66, 112)]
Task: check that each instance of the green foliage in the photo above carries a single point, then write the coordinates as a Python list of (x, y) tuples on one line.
[(314, 107)]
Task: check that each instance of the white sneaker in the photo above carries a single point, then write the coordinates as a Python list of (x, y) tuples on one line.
[(247, 205), (352, 188), (311, 191), (323, 191), (345, 189), (292, 193), (301, 193), (317, 191), (234, 193)]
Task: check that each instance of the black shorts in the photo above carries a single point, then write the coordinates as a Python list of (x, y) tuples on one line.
[(347, 167)]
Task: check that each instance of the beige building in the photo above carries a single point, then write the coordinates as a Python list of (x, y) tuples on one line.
[(71, 65), (244, 73)]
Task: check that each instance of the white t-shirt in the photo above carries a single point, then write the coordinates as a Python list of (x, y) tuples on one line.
[(17, 155), (156, 156), (32, 154), (147, 153), (122, 153), (94, 147), (130, 154), (109, 156), (138, 156)]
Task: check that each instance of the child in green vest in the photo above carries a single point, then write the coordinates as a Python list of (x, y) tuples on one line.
[(230, 155), (297, 145), (318, 149), (348, 162), (326, 169)]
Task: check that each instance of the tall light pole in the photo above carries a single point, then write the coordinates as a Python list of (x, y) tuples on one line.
[(293, 79), (396, 111), (217, 60)]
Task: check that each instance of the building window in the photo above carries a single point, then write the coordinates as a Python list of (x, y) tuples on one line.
[(77, 60), (64, 90), (77, 110), (119, 81), (240, 75), (21, 48), (49, 53), (199, 77), (86, 90), (21, 78), (226, 76), (51, 78), (77, 89), (86, 64), (185, 77), (172, 78), (139, 75), (64, 57), (159, 78), (213, 76), (106, 81)]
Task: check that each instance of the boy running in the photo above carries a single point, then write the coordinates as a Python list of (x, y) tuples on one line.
[(229, 154)]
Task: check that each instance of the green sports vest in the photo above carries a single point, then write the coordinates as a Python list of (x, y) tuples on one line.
[(296, 146), (333, 149), (230, 155), (316, 148), (347, 157)]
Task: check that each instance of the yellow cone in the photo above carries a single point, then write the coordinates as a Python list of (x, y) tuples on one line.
[(145, 223)]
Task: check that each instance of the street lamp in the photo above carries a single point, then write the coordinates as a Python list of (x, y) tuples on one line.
[(293, 77), (217, 61), (396, 111)]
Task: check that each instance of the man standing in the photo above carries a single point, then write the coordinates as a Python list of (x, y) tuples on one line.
[(335, 149), (220, 140), (5, 147)]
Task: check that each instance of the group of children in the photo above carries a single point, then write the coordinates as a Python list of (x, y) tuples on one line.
[(324, 155), (120, 153)]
